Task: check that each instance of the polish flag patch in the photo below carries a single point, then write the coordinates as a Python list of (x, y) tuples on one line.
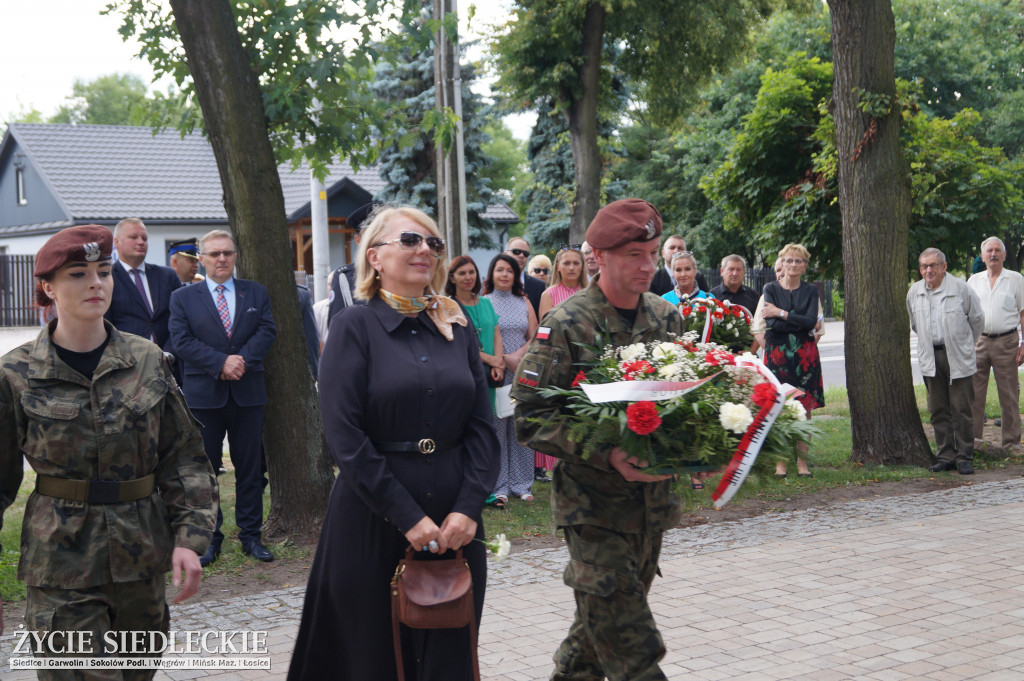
[(543, 332)]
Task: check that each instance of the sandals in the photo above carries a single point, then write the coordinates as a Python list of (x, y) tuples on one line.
[(499, 501), (697, 485), (526, 497)]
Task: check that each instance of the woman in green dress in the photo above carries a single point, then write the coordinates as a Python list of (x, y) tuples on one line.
[(464, 286)]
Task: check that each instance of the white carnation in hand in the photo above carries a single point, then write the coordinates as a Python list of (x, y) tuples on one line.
[(796, 410), (735, 418), (632, 352), (669, 371), (665, 351)]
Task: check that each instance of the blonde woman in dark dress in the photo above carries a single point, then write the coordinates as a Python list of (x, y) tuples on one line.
[(398, 377)]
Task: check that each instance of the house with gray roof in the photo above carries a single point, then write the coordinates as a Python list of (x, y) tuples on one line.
[(54, 176)]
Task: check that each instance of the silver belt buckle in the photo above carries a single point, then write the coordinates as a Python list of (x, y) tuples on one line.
[(426, 446)]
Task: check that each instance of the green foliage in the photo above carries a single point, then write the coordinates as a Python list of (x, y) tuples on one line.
[(508, 168), (116, 99), (548, 197), (770, 184), (838, 303), (404, 79), (294, 50), (964, 53), (961, 189), (668, 48), (666, 166)]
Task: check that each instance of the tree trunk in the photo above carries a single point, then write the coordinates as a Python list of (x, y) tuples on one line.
[(232, 106), (582, 118), (874, 196)]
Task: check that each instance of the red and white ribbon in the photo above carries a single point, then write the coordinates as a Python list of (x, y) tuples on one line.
[(750, 444)]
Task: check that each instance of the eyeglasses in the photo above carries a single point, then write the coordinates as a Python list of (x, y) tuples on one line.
[(217, 254), (570, 247), (932, 265), (410, 241), (793, 261), (540, 270), (519, 252)]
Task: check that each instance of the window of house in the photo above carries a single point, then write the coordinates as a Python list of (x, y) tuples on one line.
[(19, 178)]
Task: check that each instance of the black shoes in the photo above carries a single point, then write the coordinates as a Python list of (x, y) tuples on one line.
[(258, 551), (965, 468), (944, 466), (211, 555)]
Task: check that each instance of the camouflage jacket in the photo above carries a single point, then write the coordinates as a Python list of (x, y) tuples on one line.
[(590, 491), (129, 421)]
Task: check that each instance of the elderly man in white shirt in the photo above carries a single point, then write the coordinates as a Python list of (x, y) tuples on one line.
[(1001, 292), (947, 318)]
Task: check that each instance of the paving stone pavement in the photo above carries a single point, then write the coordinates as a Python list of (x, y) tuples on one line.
[(928, 586)]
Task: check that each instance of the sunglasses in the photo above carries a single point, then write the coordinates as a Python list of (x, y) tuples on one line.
[(540, 270), (217, 254), (520, 252), (570, 247), (412, 240)]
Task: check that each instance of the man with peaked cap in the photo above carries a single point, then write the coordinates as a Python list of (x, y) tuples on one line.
[(343, 279), (613, 516), (185, 260)]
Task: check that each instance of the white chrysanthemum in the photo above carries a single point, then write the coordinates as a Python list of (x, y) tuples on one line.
[(632, 352), (664, 351), (735, 418), (796, 410), (669, 372)]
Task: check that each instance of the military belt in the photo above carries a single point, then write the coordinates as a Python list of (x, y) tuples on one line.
[(96, 491)]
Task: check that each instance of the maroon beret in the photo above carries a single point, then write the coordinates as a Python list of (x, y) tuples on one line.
[(85, 243), (623, 221)]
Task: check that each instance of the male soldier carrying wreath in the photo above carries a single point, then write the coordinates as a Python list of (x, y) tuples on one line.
[(613, 515)]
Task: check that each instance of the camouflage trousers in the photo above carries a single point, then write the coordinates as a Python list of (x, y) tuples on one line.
[(100, 613), (613, 634)]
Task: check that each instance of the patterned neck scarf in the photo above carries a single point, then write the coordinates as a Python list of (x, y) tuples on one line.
[(443, 311), (692, 293)]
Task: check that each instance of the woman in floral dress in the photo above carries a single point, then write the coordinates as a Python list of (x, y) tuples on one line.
[(790, 352)]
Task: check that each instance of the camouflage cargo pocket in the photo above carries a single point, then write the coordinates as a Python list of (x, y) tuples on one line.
[(52, 434), (590, 579)]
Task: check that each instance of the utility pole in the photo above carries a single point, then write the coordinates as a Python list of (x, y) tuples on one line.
[(451, 173)]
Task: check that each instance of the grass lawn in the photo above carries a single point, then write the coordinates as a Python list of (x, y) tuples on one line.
[(829, 458)]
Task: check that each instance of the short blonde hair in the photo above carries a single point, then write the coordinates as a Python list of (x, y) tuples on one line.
[(367, 283), (796, 250), (556, 276), (539, 260)]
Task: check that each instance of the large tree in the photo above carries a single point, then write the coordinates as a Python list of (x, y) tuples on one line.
[(874, 196), (557, 50), (409, 166), (229, 95), (257, 70)]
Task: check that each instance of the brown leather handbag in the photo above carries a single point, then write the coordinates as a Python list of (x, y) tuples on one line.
[(432, 594)]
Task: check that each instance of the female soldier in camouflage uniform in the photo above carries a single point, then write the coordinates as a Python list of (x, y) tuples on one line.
[(124, 491)]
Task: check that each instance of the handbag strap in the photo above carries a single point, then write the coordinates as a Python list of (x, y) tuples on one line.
[(396, 633), (396, 630)]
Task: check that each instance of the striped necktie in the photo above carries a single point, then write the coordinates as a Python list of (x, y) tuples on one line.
[(222, 309)]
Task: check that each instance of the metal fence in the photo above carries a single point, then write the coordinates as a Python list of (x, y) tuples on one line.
[(17, 291)]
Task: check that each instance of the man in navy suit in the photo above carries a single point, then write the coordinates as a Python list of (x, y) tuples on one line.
[(140, 303), (222, 329)]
